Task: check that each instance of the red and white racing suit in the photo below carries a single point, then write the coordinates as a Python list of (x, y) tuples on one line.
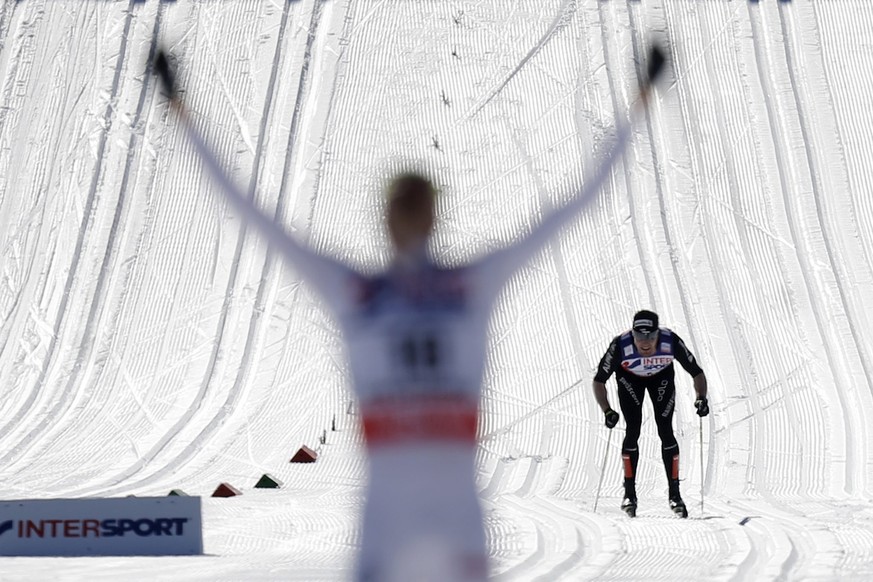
[(416, 338)]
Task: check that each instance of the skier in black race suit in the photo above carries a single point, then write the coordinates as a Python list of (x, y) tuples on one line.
[(642, 361)]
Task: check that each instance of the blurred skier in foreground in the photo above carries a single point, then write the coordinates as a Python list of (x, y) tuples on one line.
[(642, 361), (416, 338)]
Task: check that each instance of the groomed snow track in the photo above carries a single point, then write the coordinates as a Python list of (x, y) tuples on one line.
[(148, 340)]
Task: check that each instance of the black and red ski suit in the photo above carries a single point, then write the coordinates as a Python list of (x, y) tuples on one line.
[(635, 375)]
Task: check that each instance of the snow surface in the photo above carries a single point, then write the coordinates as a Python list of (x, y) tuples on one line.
[(149, 342)]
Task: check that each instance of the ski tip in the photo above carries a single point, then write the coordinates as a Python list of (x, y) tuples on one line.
[(165, 73)]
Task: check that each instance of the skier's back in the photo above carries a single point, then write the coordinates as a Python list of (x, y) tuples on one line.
[(416, 338)]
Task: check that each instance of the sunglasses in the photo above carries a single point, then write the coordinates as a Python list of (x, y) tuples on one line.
[(645, 335)]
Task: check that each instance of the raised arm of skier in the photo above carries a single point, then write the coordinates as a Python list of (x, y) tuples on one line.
[(327, 275), (504, 262), (501, 264)]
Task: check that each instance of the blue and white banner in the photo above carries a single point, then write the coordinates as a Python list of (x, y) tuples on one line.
[(126, 526)]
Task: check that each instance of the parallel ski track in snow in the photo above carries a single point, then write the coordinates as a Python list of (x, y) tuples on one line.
[(559, 433), (44, 436), (803, 245), (784, 472), (17, 59), (852, 121), (761, 39), (741, 300), (63, 400), (852, 118), (94, 414), (252, 345), (857, 351)]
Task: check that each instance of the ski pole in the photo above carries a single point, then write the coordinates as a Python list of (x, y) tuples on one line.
[(602, 470), (702, 474)]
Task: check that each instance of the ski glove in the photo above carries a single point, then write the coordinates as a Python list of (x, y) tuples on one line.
[(611, 418), (702, 406)]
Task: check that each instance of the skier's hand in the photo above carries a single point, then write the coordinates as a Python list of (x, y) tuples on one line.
[(656, 64), (657, 60), (611, 417), (165, 70), (702, 406), (166, 73)]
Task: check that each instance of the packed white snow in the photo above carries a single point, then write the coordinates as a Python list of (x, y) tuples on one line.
[(149, 342)]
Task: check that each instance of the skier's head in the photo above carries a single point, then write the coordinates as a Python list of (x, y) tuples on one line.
[(645, 331), (410, 212), (645, 326)]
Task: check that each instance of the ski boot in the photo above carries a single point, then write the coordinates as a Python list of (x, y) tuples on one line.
[(629, 506), (678, 506)]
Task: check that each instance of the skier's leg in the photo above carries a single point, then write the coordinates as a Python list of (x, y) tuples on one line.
[(630, 399), (663, 395)]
